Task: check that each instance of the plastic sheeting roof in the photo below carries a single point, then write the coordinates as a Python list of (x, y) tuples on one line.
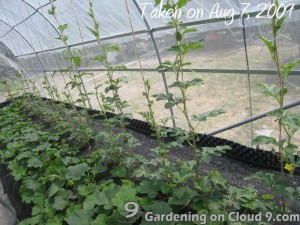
[(26, 26)]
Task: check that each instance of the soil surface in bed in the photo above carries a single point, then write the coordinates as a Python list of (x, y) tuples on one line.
[(232, 170)]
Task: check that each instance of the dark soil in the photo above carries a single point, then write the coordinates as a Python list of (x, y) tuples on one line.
[(232, 170)]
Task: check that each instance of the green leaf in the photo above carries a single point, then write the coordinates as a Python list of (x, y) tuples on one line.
[(53, 189), (283, 91), (92, 200), (37, 209), (160, 97), (182, 3), (166, 187), (203, 116), (42, 147), (264, 140), (113, 48), (107, 195), (193, 46), (149, 187), (179, 178), (76, 60), (287, 68), (63, 38), (100, 220), (62, 27), (206, 153), (184, 49), (112, 87), (189, 30), (211, 182), (31, 137), (158, 208), (176, 48), (169, 105), (99, 169), (60, 203), (292, 121), (76, 172), (32, 220), (35, 163), (267, 197), (157, 2), (279, 23), (187, 84), (182, 196), (32, 184), (51, 11), (178, 36), (269, 44), (55, 220), (119, 172), (94, 32), (85, 190), (268, 90), (127, 193), (81, 217), (166, 65)]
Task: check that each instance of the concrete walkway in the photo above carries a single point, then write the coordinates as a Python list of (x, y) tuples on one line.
[(8, 214)]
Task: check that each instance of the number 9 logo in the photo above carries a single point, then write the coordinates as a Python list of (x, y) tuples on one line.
[(132, 208)]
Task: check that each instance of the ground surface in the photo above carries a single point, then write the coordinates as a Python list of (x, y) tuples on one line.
[(233, 170)]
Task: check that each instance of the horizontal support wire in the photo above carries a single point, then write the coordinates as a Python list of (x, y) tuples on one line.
[(162, 28), (252, 119), (224, 71), (87, 42)]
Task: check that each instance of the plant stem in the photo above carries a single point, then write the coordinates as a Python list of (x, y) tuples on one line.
[(280, 101)]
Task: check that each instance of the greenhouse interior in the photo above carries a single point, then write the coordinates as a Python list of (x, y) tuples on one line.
[(149, 112)]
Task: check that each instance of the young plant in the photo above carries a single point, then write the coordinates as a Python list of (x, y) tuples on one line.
[(160, 132), (111, 99), (182, 49), (288, 122), (81, 123)]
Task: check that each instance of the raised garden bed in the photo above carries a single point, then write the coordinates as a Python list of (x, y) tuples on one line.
[(67, 179)]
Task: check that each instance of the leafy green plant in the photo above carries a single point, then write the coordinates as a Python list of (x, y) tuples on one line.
[(288, 122), (182, 49), (74, 57), (111, 99), (12, 88)]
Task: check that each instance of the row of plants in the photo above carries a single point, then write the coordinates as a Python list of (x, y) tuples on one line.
[(76, 172), (69, 186)]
